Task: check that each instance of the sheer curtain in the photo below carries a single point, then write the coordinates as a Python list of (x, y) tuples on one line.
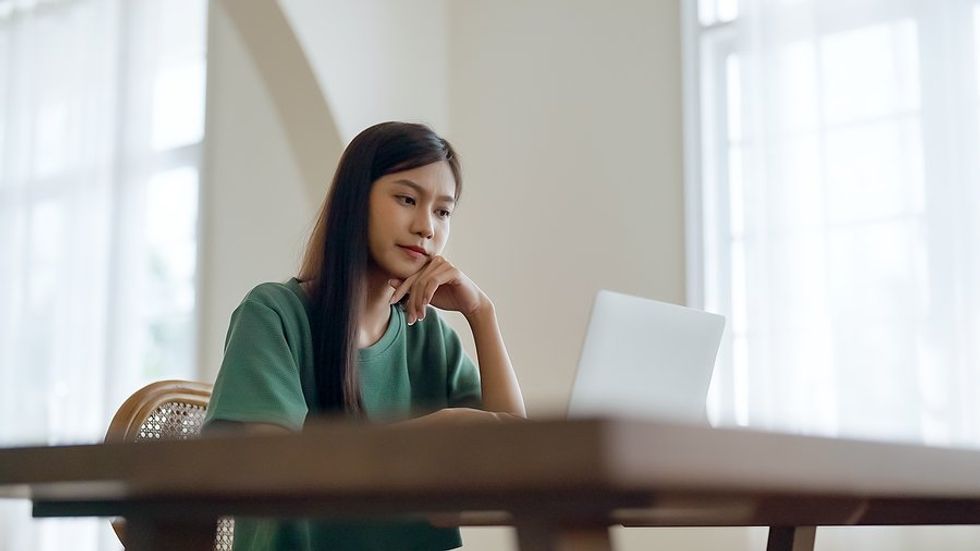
[(101, 120), (842, 216)]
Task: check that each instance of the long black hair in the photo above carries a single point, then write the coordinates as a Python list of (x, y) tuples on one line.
[(335, 264)]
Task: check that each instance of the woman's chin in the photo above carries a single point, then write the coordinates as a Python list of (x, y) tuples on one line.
[(392, 269), (399, 271)]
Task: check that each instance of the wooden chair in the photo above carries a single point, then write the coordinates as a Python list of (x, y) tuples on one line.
[(165, 410)]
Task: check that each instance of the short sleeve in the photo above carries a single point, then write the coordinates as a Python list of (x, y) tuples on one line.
[(463, 375), (259, 380)]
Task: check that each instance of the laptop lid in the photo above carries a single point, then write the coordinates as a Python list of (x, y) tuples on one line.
[(646, 359)]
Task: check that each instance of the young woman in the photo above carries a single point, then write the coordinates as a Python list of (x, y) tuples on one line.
[(356, 333)]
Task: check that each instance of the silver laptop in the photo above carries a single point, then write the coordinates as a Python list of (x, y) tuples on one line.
[(645, 359)]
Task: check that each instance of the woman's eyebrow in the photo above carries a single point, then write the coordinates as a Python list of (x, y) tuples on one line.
[(423, 191)]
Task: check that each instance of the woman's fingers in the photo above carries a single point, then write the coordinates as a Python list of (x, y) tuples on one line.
[(462, 415), (422, 292), (413, 308), (440, 277), (426, 295), (422, 286), (404, 288)]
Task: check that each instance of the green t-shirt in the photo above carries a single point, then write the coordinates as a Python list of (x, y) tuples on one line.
[(266, 376)]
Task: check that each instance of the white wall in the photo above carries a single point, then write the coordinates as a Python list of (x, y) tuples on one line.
[(567, 115), (377, 60), (256, 209)]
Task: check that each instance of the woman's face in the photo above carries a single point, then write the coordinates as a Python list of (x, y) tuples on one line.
[(410, 210)]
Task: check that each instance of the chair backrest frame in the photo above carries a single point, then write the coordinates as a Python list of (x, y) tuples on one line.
[(137, 408)]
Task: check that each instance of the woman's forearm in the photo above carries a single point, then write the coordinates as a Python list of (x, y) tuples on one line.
[(501, 391)]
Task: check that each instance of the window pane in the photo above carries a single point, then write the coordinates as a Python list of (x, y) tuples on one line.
[(976, 44), (733, 83), (874, 171), (783, 187), (799, 190), (796, 261), (171, 237), (168, 62), (52, 140), (876, 272), (717, 11), (740, 380), (727, 10), (182, 27), (6, 98), (706, 11), (791, 104), (736, 193), (178, 105), (870, 72), (46, 251), (795, 86)]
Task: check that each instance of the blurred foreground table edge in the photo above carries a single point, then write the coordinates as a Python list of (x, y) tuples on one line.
[(560, 483)]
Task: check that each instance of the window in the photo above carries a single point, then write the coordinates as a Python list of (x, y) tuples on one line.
[(835, 205), (101, 126)]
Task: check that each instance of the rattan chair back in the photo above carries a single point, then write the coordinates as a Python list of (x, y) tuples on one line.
[(165, 410)]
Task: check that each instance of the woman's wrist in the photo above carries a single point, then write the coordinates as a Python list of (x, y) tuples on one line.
[(483, 313)]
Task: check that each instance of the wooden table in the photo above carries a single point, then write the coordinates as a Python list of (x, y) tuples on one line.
[(560, 483)]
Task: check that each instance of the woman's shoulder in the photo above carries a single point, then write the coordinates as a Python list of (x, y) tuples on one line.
[(277, 295)]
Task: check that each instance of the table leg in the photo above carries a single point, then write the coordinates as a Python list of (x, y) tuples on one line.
[(155, 534), (552, 536), (791, 538)]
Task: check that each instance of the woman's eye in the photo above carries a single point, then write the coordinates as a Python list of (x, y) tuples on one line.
[(406, 199), (444, 213)]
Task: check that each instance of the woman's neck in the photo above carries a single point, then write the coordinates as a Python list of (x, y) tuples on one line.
[(375, 314)]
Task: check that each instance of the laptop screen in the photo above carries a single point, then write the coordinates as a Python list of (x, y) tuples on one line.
[(646, 359)]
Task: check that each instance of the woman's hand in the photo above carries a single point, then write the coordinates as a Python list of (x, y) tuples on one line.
[(442, 285), (461, 416)]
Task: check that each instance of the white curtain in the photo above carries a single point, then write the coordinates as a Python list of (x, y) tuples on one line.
[(101, 116), (843, 234)]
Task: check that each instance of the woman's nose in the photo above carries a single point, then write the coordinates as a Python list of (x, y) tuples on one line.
[(423, 226)]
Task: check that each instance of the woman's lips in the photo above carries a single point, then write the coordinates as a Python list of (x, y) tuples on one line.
[(411, 252)]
